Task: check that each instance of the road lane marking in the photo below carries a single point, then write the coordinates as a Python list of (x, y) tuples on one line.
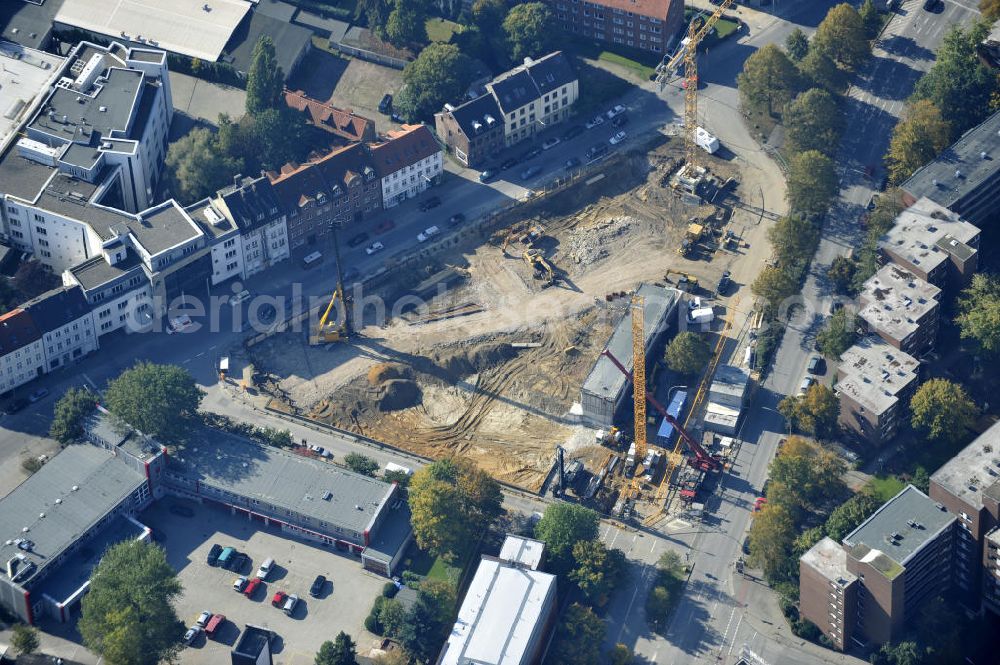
[(736, 632)]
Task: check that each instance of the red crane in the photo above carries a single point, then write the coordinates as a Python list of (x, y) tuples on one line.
[(703, 460)]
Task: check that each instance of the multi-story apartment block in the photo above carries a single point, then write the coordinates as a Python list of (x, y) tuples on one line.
[(22, 352), (885, 570), (901, 308), (651, 25), (345, 125), (934, 244), (66, 322), (526, 100), (874, 384), (262, 238), (408, 162)]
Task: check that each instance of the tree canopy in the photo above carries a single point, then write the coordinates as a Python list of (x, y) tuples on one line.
[(24, 638), (440, 74), (870, 19), (838, 334), (849, 515), (793, 238), (812, 182), (598, 570), (688, 353), (452, 503), (990, 9), (578, 637), (407, 23), (71, 414), (804, 476), (812, 122), (841, 274), (771, 536), (775, 284), (942, 411), (768, 81), (375, 13), (530, 30), (796, 44), (821, 71), (979, 312), (429, 620), (196, 168), (157, 400), (362, 464), (265, 80), (562, 526), (127, 616), (341, 651), (842, 37), (918, 138), (816, 412)]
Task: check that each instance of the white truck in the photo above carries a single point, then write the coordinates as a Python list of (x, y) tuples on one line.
[(706, 141), (701, 315), (392, 466)]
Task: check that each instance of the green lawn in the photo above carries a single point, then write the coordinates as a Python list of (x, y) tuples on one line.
[(441, 30), (886, 487), (724, 28), (641, 64)]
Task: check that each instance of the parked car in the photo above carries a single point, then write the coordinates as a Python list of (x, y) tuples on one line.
[(213, 554), (192, 634), (572, 132), (617, 138), (317, 586), (239, 297), (428, 233), (385, 106), (456, 219), (359, 239), (806, 383), (620, 121), (266, 566), (531, 154), (427, 204), (551, 143), (39, 394), (508, 163), (571, 163), (290, 603), (487, 175), (251, 586), (384, 226), (815, 363), (595, 121), (203, 618), (531, 172), (240, 583), (616, 111), (239, 562), (279, 599), (931, 5), (596, 151), (16, 405), (179, 324), (374, 248), (214, 623)]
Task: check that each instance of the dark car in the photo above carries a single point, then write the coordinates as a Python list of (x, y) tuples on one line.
[(456, 219), (596, 151), (41, 393), (531, 172), (427, 204), (359, 239), (385, 226), (16, 405), (573, 132), (213, 554), (385, 105), (571, 163), (620, 120), (531, 154), (932, 5), (238, 563), (317, 586), (508, 163)]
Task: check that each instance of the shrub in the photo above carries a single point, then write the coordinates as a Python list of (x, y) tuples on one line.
[(389, 590), (31, 465)]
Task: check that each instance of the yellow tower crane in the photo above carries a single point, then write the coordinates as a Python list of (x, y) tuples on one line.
[(688, 52), (639, 379)]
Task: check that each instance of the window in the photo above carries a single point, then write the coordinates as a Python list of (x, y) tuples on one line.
[(40, 230), (43, 243), (39, 218), (12, 210), (46, 254)]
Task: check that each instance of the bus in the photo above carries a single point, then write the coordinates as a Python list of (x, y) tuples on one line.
[(312, 260)]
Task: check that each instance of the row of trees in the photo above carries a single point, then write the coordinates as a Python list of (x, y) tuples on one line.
[(424, 626)]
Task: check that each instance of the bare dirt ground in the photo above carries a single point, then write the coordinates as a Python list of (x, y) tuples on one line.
[(490, 369)]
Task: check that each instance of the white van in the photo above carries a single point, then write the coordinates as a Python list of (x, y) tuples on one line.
[(427, 233), (265, 569), (312, 260)]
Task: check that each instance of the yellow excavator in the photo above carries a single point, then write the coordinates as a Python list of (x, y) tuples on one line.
[(541, 268), (328, 330)]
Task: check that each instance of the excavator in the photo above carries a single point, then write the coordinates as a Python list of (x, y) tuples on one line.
[(542, 269), (328, 330), (684, 280), (525, 236)]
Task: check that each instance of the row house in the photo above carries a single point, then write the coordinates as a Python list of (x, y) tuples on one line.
[(344, 125), (650, 25), (408, 162)]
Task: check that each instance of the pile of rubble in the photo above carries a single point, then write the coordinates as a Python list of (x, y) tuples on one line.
[(588, 244)]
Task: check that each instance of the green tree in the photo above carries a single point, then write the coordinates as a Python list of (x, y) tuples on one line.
[(671, 564), (196, 168), (775, 284), (841, 274), (841, 36), (362, 464), (376, 13), (796, 45), (812, 122), (452, 503), (158, 400), (441, 73), (979, 312), (620, 655), (804, 477), (24, 638), (127, 616), (659, 602), (71, 414), (598, 570), (530, 30), (793, 238), (942, 411), (990, 9), (407, 23), (687, 353), (870, 19), (341, 651), (816, 412), (918, 138), (903, 653), (768, 82), (849, 515), (265, 80), (805, 540), (562, 526), (821, 71), (429, 620), (812, 182), (402, 478), (838, 334), (578, 637), (393, 617), (771, 536), (959, 83), (487, 19)]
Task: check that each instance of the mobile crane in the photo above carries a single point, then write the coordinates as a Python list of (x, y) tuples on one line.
[(329, 331)]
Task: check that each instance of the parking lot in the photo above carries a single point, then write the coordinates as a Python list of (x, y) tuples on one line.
[(343, 604)]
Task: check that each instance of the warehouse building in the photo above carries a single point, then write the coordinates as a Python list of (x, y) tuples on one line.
[(605, 388)]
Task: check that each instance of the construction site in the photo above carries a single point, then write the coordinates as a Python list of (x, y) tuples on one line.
[(495, 344)]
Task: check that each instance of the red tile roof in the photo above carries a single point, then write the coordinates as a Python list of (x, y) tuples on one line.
[(404, 147), (336, 121), (653, 8), (299, 184)]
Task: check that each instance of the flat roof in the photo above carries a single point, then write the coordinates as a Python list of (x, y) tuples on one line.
[(283, 479), (962, 168), (253, 641), (29, 22), (25, 78), (195, 28), (501, 613), (925, 234), (101, 482), (730, 380), (898, 529), (974, 471), (605, 380), (142, 448), (392, 533), (895, 300), (162, 227), (829, 559), (23, 177), (875, 372), (96, 272), (525, 551)]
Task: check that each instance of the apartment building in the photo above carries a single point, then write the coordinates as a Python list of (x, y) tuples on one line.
[(526, 100), (408, 162), (901, 308), (342, 124), (935, 244), (22, 351), (260, 237), (875, 382), (965, 178), (650, 25), (896, 560), (66, 322)]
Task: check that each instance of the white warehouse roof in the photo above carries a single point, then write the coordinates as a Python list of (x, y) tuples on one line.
[(195, 28), (524, 551)]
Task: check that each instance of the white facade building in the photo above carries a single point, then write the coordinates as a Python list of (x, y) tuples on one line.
[(66, 322), (22, 349), (408, 162), (255, 210)]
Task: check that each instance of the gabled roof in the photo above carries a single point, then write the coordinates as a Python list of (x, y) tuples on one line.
[(404, 147), (253, 203), (54, 309), (330, 175), (340, 122), (514, 89), (477, 113), (533, 79), (17, 330)]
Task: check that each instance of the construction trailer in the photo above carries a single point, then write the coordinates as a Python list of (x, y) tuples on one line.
[(665, 434)]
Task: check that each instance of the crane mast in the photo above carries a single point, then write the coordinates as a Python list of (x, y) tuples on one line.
[(639, 377)]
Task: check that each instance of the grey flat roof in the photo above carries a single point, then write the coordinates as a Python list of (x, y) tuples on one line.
[(25, 77), (96, 272), (896, 299), (82, 155), (140, 447), (875, 372), (829, 559), (604, 379), (973, 471), (285, 480), (83, 110), (898, 516), (162, 227), (392, 534), (960, 169), (920, 230), (70, 197), (27, 23), (203, 212), (102, 482), (22, 177)]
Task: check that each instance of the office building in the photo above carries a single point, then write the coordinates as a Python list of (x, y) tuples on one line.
[(901, 308), (650, 25)]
